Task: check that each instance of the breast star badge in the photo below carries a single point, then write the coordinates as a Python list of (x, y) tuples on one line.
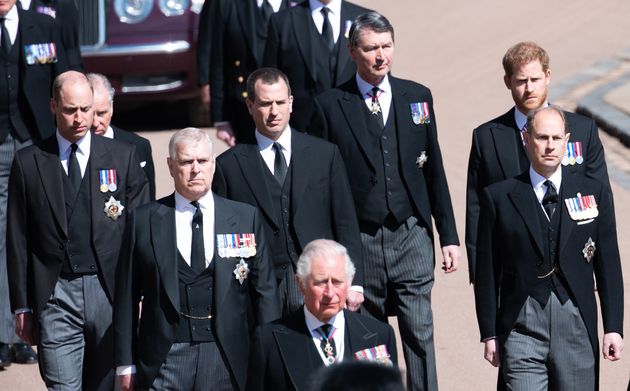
[(589, 250), (241, 271), (113, 208)]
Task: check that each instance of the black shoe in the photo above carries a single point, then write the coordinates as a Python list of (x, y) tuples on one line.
[(22, 353), (5, 357)]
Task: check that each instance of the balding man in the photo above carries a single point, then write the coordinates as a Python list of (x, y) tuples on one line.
[(68, 201), (103, 112)]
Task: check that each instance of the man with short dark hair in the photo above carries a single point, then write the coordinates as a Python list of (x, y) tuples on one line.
[(298, 182), (386, 132), (498, 151), (200, 266), (542, 236), (286, 354), (103, 112), (69, 196)]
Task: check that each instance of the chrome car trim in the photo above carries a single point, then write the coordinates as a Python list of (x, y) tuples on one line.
[(136, 49)]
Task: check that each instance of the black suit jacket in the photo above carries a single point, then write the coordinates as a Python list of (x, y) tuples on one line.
[(284, 356), (321, 203), (204, 41), (494, 156), (238, 40), (67, 20), (148, 271), (36, 80), (37, 223), (341, 120), (292, 48), (143, 151), (510, 243)]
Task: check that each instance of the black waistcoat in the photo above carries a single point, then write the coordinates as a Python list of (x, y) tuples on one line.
[(550, 232), (12, 101), (196, 292), (389, 195), (80, 255), (285, 250)]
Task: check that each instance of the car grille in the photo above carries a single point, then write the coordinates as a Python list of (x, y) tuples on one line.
[(91, 22)]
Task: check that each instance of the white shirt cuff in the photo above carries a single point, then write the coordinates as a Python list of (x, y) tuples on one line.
[(22, 310), (125, 370)]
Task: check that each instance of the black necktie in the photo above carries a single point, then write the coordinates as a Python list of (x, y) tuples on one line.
[(550, 200), (279, 164), (327, 343), (197, 252), (6, 38), (267, 10), (327, 31), (74, 170)]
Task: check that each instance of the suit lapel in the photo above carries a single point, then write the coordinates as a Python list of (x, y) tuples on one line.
[(225, 222), (353, 111), (523, 198), (300, 154), (504, 135), (163, 238), (568, 189), (305, 32), (50, 174), (360, 336), (252, 167)]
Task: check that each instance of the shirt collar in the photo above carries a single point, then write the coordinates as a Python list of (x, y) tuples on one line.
[(313, 323), (182, 203), (365, 87), (109, 133), (334, 6), (520, 118), (83, 143), (265, 142), (13, 13), (537, 180)]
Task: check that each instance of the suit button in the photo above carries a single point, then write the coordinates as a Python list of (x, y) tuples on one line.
[(386, 164), (188, 288), (389, 193), (237, 63), (284, 267), (62, 246), (388, 179), (207, 328), (75, 267), (285, 210), (384, 137), (244, 94), (208, 308), (385, 151), (284, 197), (240, 79), (193, 328), (92, 267), (276, 233)]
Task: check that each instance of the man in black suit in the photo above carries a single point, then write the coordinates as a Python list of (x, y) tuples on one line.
[(385, 129), (200, 265), (66, 17), (287, 353), (103, 112), (308, 42), (298, 182), (69, 196), (239, 35), (542, 236), (24, 116), (204, 44), (498, 152)]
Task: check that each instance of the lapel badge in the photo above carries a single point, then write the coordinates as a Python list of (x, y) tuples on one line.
[(236, 245), (107, 179), (420, 160), (348, 25), (113, 208), (582, 207), (378, 354), (47, 11), (589, 250), (292, 4), (420, 113), (241, 271)]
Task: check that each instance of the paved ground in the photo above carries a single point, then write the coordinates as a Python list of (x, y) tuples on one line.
[(455, 48)]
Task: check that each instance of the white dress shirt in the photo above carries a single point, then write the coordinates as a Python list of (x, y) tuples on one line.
[(384, 97), (338, 322), (334, 16), (275, 4), (184, 212), (268, 153), (539, 187), (109, 133), (83, 151), (11, 23)]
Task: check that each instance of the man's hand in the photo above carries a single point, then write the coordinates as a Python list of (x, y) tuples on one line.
[(126, 382), (204, 94), (450, 256), (612, 346), (354, 300), (24, 327), (225, 133), (491, 353)]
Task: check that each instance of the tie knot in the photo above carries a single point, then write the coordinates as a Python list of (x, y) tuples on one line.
[(550, 195), (195, 204), (74, 147), (374, 93), (325, 11), (326, 328), (2, 19), (277, 147)]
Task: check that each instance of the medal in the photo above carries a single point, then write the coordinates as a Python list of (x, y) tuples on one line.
[(378, 354), (103, 188), (420, 160), (589, 250), (579, 159), (420, 113), (236, 245), (582, 207), (107, 179), (113, 208), (240, 271), (375, 107)]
